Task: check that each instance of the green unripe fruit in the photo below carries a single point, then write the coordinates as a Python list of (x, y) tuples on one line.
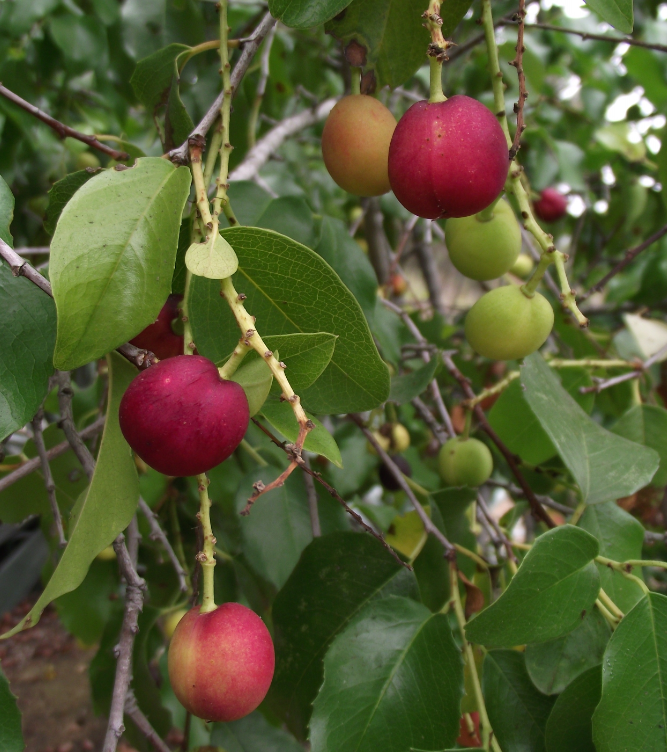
[(523, 266), (86, 159), (481, 249), (465, 462), (505, 324)]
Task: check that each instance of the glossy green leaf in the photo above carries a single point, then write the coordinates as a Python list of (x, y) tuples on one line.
[(107, 507), (556, 584), (290, 289), (305, 355), (393, 679), (11, 736), (410, 385), (570, 724), (391, 33), (256, 378), (647, 425), (290, 216), (517, 711), (252, 734), (605, 466), (554, 665), (27, 338), (337, 575), (213, 259), (302, 14), (153, 74), (6, 212), (618, 13), (281, 416), (632, 713), (249, 201), (621, 537), (60, 193), (178, 124), (112, 257)]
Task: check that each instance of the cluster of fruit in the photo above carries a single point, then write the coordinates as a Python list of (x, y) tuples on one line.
[(449, 160)]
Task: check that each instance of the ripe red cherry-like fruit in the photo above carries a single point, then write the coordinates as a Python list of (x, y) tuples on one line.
[(160, 337), (551, 206), (181, 418), (448, 159), (221, 663)]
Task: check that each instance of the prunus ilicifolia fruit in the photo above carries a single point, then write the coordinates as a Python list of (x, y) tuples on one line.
[(221, 662), (465, 462), (523, 266), (181, 417), (506, 324), (164, 336), (448, 159), (551, 205), (355, 144), (387, 477), (483, 248)]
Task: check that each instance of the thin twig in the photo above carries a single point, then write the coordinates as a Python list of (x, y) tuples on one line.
[(601, 384), (66, 422), (402, 242), (429, 526), (261, 87), (523, 94), (309, 483), (544, 500), (630, 255), (250, 47), (429, 267), (157, 533), (49, 483), (142, 723), (61, 129), (439, 431), (484, 509)]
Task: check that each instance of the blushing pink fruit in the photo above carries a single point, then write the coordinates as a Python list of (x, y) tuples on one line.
[(181, 418), (448, 159), (551, 205), (221, 663), (159, 337)]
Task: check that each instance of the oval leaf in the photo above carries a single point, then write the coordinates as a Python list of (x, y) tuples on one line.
[(256, 378), (570, 724), (251, 733), (647, 425), (11, 736), (213, 259), (112, 257), (303, 14)]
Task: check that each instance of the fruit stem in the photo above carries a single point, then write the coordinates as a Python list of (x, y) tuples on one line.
[(437, 50), (234, 361), (355, 81), (531, 286), (486, 215), (436, 94), (466, 427), (206, 556)]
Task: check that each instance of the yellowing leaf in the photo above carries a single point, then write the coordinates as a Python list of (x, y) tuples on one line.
[(214, 259), (407, 534)]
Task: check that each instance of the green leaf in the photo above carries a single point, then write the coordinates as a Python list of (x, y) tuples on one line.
[(81, 39), (392, 679), (281, 416), (646, 67), (290, 216), (6, 212), (256, 378), (112, 257), (305, 355), (27, 337), (249, 201), (290, 289), (647, 425), (213, 259), (252, 734), (411, 385), (554, 665), (337, 575), (517, 711), (621, 537), (108, 506), (618, 13), (392, 34), (632, 713), (178, 124), (555, 585), (153, 74), (617, 137), (605, 466), (570, 724), (303, 14), (11, 736), (60, 193)]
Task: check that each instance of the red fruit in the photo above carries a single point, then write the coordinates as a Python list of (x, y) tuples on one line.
[(221, 663), (467, 739), (159, 337), (448, 159), (181, 418), (551, 206)]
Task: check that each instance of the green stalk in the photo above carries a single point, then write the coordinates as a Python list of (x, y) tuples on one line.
[(355, 81), (436, 93), (206, 557)]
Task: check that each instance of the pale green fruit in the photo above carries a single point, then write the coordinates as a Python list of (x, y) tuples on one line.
[(171, 622), (523, 266), (484, 250), (465, 462), (400, 438), (86, 159), (505, 324)]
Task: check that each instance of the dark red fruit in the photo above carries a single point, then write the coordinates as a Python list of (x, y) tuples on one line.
[(448, 159), (181, 418), (160, 337), (386, 476), (551, 205)]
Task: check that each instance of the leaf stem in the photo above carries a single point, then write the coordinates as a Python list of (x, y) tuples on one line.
[(610, 605), (206, 557), (625, 566)]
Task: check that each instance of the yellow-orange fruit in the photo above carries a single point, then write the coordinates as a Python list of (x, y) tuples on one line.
[(355, 145)]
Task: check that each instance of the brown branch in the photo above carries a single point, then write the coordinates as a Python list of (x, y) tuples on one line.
[(439, 431), (523, 94), (25, 468), (61, 129), (142, 723), (260, 488), (486, 512), (157, 533), (66, 422), (630, 255), (641, 367), (21, 268), (510, 458), (49, 483), (311, 492)]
